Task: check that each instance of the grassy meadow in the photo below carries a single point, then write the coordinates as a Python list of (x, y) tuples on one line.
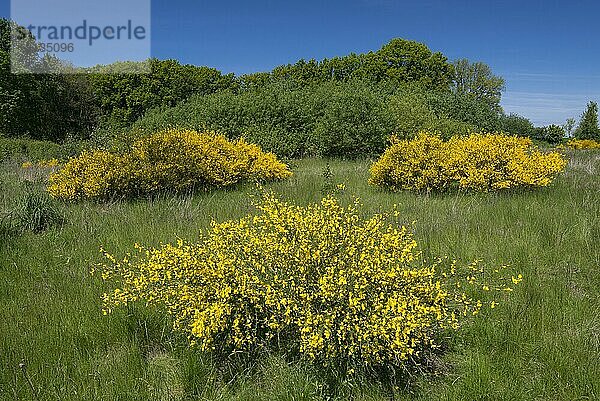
[(541, 343)]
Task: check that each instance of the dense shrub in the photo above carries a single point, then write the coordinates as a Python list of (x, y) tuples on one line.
[(462, 107), (27, 149), (170, 160), (583, 144), (412, 111), (125, 97), (341, 119), (348, 119), (516, 125), (318, 281), (353, 123), (479, 162), (551, 133)]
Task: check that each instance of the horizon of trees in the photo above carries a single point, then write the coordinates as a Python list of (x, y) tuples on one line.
[(61, 106)]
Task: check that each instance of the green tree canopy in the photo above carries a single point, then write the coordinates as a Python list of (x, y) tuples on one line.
[(399, 61), (588, 126), (476, 79)]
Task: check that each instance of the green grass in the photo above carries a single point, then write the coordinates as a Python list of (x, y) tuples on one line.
[(542, 343)]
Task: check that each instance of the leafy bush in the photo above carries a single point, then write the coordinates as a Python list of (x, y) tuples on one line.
[(583, 144), (516, 125), (326, 119), (480, 162), (412, 112), (353, 123), (170, 160), (319, 281), (28, 149), (464, 108), (123, 98), (551, 133), (348, 119)]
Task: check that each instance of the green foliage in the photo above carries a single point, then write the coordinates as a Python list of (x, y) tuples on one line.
[(342, 119), (552, 134), (58, 106), (399, 61), (353, 123), (28, 149), (41, 106), (36, 212), (477, 80), (588, 126), (415, 110), (516, 125), (124, 97), (465, 108), (348, 119)]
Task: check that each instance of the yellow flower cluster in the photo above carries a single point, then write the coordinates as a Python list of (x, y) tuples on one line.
[(317, 281), (170, 160), (50, 163), (583, 144), (480, 162)]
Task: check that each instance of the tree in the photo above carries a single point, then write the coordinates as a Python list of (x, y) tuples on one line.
[(516, 125), (41, 106), (552, 133), (477, 80), (404, 61), (568, 127), (125, 97), (397, 62), (588, 127)]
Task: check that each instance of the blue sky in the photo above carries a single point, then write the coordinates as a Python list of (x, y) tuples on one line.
[(547, 51)]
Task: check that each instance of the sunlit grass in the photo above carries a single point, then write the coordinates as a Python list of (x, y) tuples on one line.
[(543, 343)]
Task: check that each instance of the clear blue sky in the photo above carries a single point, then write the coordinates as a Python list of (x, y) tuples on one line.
[(548, 51)]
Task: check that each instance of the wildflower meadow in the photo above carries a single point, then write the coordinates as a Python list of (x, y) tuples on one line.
[(372, 226)]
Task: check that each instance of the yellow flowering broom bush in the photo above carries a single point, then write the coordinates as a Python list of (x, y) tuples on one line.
[(583, 144), (318, 281), (480, 162), (170, 160)]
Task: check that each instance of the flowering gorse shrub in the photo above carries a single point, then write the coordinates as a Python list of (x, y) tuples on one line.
[(583, 144), (317, 281), (480, 162), (170, 160), (50, 163)]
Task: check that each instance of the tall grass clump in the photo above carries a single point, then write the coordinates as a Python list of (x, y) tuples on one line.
[(479, 162), (173, 160), (35, 211), (317, 282)]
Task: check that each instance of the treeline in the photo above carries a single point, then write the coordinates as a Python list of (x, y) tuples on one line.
[(344, 105)]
